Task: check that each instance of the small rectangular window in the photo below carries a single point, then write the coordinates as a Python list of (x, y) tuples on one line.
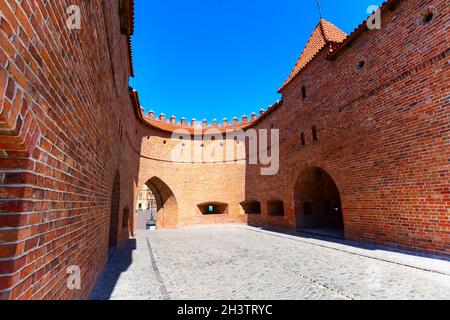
[(302, 138), (303, 92), (251, 207), (213, 208), (126, 217), (314, 133)]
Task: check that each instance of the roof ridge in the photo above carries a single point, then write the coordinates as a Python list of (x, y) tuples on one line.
[(322, 28), (327, 37), (311, 38), (324, 33)]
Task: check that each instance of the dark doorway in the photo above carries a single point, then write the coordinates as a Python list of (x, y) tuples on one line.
[(318, 203), (115, 212)]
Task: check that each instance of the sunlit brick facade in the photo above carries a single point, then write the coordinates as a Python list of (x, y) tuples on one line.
[(366, 113)]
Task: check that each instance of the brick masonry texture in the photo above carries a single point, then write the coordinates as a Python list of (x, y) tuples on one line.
[(76, 150), (383, 131), (66, 133)]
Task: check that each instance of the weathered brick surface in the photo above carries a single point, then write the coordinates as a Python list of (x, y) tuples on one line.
[(382, 137), (66, 129), (192, 183), (383, 132)]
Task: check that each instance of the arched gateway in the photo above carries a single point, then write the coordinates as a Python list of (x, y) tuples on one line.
[(166, 203), (318, 203)]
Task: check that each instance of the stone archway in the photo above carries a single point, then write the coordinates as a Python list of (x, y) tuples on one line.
[(166, 204), (318, 202), (115, 212)]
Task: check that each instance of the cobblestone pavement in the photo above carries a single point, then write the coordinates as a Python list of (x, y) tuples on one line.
[(239, 262)]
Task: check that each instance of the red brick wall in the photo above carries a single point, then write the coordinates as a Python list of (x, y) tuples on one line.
[(382, 137), (66, 128), (383, 132), (192, 183)]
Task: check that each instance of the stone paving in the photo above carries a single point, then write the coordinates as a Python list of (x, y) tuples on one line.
[(240, 262)]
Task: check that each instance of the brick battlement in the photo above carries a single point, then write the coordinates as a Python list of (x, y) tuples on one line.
[(171, 124), (194, 123)]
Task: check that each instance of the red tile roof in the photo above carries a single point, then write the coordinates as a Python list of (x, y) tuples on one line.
[(131, 32), (130, 56), (324, 33)]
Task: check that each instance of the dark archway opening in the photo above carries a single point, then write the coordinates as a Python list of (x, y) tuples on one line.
[(318, 203), (160, 210), (146, 209), (115, 212)]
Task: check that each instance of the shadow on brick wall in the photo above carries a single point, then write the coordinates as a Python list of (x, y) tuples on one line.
[(119, 262)]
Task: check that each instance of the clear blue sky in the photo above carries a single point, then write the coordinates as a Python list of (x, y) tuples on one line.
[(224, 58)]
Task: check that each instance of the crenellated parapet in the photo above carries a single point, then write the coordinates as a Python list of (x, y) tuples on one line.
[(194, 123), (171, 123)]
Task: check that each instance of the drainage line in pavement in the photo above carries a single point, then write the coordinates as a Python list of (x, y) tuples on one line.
[(162, 286)]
